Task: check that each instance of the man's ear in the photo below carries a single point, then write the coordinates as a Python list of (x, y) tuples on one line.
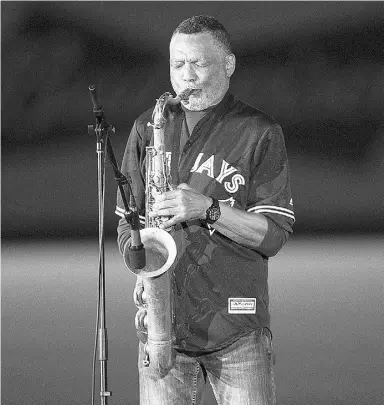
[(230, 64)]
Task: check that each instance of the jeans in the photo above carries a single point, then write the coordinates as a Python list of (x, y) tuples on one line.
[(240, 374)]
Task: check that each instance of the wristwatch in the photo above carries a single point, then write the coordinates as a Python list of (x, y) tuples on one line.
[(213, 212)]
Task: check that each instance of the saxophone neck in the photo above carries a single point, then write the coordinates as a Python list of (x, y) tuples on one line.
[(166, 99), (158, 116)]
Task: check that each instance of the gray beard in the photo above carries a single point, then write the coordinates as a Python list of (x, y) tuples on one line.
[(201, 103)]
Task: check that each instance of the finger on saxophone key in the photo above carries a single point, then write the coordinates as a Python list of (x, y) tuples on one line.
[(139, 296), (141, 320)]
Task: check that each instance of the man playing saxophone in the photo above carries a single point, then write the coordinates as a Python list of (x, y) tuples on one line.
[(229, 211)]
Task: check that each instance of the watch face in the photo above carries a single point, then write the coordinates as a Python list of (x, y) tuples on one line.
[(214, 213)]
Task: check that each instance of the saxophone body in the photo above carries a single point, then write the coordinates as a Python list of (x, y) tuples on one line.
[(153, 292)]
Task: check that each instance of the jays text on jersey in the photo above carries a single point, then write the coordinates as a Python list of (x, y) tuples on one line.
[(237, 155)]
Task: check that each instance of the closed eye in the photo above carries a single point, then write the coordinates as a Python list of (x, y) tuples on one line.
[(202, 64), (177, 64)]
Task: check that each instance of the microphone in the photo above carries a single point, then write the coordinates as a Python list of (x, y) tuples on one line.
[(136, 251), (94, 98), (97, 107), (135, 257)]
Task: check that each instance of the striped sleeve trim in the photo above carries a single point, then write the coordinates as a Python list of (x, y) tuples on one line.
[(120, 212), (272, 209)]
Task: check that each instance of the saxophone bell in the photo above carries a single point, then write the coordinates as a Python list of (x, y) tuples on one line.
[(153, 320), (160, 253)]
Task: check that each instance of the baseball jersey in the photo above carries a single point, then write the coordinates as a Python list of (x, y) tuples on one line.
[(236, 154)]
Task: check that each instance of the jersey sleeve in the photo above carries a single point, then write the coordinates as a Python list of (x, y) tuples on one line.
[(131, 168), (270, 192)]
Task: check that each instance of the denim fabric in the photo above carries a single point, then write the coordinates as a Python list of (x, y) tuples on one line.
[(240, 374)]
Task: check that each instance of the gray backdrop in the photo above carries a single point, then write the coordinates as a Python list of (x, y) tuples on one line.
[(317, 67)]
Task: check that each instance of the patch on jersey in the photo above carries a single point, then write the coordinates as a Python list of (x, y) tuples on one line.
[(229, 201), (241, 305)]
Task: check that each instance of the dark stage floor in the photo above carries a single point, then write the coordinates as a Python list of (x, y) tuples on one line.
[(327, 319)]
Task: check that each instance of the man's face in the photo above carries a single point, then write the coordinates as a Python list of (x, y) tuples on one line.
[(198, 62)]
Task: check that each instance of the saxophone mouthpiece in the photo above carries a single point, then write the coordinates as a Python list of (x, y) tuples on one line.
[(184, 95)]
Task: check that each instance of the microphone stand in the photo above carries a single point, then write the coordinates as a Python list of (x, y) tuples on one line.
[(103, 130)]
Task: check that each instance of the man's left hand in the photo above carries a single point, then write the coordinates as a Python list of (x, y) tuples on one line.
[(182, 204)]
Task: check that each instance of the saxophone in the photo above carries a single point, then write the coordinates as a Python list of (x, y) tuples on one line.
[(153, 291)]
